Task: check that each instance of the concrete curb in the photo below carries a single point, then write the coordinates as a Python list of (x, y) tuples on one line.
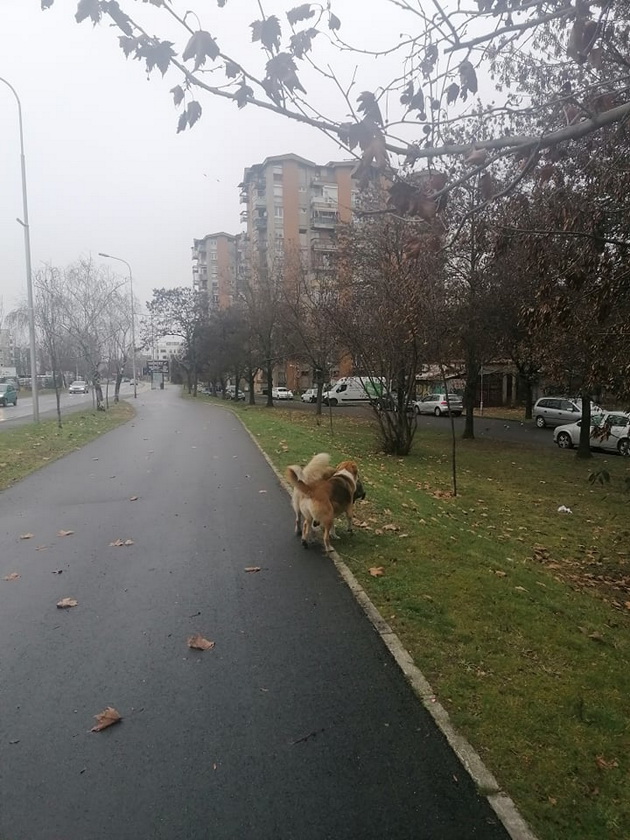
[(487, 785)]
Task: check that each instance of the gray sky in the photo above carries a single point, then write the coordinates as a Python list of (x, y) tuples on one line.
[(106, 170)]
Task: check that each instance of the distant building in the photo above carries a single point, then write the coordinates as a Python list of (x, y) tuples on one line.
[(215, 268), (293, 207), (7, 349), (167, 347)]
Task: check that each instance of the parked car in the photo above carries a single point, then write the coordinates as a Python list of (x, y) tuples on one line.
[(437, 404), (8, 394), (310, 395), (230, 393), (556, 411), (609, 431), (281, 393), (78, 387)]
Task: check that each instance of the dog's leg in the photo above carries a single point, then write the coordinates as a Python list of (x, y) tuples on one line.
[(306, 531), (349, 517), (327, 529)]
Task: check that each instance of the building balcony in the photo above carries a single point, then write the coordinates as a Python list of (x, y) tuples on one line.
[(260, 223), (328, 221), (323, 246), (244, 216)]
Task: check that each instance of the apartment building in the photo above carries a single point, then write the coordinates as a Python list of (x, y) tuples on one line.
[(215, 268), (293, 206), (7, 349)]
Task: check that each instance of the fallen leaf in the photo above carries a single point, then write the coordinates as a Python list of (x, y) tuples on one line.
[(64, 533), (108, 717), (26, 536), (199, 643), (66, 602), (376, 571), (252, 568), (391, 528), (262, 491), (499, 573), (133, 498), (12, 576), (128, 542), (58, 572), (41, 548), (605, 764)]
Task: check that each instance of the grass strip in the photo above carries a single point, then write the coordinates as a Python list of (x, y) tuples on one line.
[(27, 448), (517, 614)]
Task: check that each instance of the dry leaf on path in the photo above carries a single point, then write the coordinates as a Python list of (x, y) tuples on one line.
[(120, 542), (252, 568), (12, 576), (108, 717), (41, 548), (197, 642), (128, 542), (64, 533), (133, 498), (67, 602), (26, 536), (377, 571)]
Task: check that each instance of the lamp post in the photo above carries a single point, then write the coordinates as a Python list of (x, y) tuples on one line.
[(27, 250), (133, 320)]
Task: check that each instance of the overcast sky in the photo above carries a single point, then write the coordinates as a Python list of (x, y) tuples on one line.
[(106, 170)]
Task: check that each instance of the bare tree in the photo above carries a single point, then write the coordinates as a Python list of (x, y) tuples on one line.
[(431, 88)]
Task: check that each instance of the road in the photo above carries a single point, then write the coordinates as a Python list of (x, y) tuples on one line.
[(296, 726), (14, 415), (515, 431)]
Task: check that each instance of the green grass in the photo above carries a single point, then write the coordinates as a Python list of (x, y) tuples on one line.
[(518, 615), (27, 448)]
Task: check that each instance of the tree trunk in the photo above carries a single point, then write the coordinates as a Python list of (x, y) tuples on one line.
[(529, 397), (470, 394), (584, 446), (269, 385), (251, 374)]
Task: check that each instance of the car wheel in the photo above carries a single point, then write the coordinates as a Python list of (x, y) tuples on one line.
[(564, 441), (623, 447), (540, 422), (437, 412), (333, 402)]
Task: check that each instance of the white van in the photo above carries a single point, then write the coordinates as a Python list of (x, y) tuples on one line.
[(354, 389)]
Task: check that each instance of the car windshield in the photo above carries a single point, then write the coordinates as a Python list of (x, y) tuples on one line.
[(4, 388)]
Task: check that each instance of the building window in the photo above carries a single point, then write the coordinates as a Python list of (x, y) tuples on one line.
[(278, 211)]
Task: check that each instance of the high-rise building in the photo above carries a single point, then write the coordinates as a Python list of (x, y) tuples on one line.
[(293, 206), (215, 268), (293, 209)]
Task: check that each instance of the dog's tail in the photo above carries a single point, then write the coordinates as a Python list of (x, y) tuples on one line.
[(294, 477), (316, 467)]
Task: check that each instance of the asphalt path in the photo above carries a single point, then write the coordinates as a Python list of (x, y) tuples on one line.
[(298, 725), (15, 415)]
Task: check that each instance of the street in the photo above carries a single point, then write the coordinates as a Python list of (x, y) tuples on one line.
[(14, 415), (297, 725)]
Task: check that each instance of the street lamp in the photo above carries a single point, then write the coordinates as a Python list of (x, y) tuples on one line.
[(133, 320), (27, 249)]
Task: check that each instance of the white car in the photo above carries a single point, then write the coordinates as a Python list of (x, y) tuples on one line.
[(78, 387), (609, 431), (437, 404), (281, 393), (309, 396)]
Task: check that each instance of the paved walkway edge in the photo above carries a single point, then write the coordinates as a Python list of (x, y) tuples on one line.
[(487, 785)]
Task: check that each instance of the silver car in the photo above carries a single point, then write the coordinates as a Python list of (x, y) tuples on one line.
[(609, 431), (438, 405), (554, 411)]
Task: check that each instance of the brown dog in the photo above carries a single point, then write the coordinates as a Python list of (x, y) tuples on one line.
[(318, 467), (322, 500)]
